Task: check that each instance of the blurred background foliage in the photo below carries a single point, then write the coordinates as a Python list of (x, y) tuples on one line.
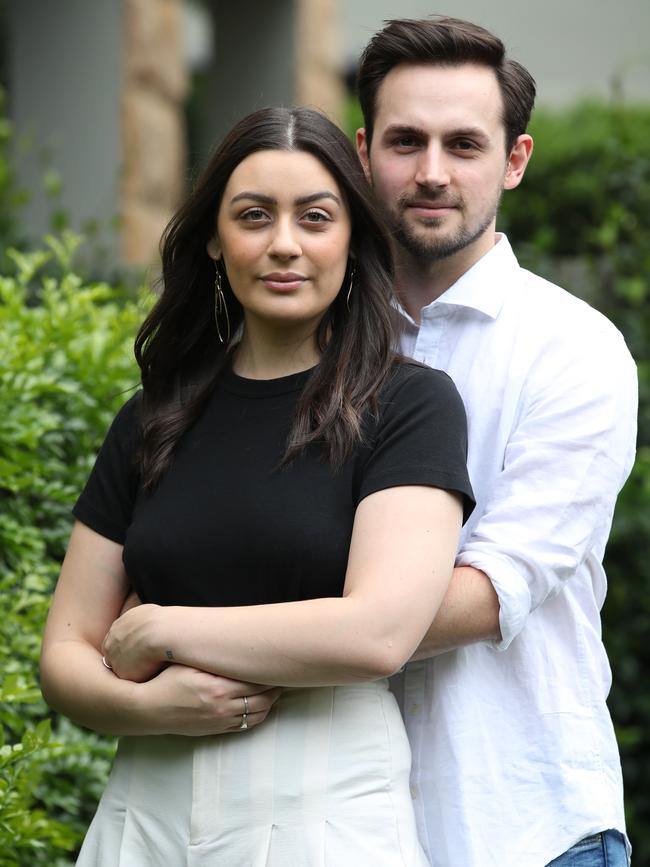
[(581, 218), (65, 367)]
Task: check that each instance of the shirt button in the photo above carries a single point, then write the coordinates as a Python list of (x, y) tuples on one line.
[(415, 709), (414, 792)]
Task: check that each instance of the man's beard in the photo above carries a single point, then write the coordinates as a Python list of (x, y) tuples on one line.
[(432, 249)]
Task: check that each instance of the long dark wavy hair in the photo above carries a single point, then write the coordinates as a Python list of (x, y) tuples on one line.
[(178, 349)]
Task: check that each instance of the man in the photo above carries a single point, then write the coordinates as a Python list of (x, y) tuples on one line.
[(515, 762)]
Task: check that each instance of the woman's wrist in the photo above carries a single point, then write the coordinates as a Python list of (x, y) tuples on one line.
[(135, 644), (164, 634), (144, 712)]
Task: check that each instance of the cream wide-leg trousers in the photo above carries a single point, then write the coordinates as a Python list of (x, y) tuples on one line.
[(323, 782)]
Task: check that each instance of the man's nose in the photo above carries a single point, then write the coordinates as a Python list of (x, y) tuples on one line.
[(432, 168)]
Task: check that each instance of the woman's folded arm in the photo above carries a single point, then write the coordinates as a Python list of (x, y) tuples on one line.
[(401, 560)]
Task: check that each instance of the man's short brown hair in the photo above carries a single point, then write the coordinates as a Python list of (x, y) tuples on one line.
[(442, 41)]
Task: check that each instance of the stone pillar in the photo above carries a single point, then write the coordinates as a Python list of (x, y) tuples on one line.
[(319, 61), (153, 128)]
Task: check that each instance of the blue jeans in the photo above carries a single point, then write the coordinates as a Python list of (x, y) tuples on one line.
[(599, 850)]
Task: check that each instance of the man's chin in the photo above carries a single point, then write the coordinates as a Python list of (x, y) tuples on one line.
[(429, 246)]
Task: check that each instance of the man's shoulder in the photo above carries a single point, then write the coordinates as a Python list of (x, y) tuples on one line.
[(558, 311), (537, 295)]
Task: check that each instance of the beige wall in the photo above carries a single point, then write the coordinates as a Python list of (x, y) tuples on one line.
[(152, 124), (319, 57)]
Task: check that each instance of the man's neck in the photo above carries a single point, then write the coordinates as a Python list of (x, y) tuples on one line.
[(418, 283)]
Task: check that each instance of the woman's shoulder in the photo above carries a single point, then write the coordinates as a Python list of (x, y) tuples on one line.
[(130, 410), (410, 380), (127, 422), (419, 397)]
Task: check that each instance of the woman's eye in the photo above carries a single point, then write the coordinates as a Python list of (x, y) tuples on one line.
[(254, 215), (316, 217)]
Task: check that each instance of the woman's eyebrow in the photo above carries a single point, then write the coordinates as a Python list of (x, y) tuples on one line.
[(255, 197), (270, 200), (314, 197)]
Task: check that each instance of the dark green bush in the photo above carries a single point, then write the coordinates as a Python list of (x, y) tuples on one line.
[(65, 366), (582, 219)]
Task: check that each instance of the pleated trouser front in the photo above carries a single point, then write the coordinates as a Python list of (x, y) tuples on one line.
[(323, 782)]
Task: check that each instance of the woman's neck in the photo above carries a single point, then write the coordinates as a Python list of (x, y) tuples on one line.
[(269, 354)]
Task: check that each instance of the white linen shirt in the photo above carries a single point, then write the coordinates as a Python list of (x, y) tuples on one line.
[(514, 754)]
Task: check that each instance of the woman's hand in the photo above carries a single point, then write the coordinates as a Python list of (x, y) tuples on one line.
[(130, 646), (91, 593), (186, 701)]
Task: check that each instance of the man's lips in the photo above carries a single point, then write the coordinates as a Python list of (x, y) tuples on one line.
[(283, 281), (429, 208)]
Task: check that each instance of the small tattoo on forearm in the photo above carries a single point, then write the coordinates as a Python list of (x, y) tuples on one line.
[(169, 654)]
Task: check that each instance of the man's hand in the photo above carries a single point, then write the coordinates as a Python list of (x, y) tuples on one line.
[(185, 701)]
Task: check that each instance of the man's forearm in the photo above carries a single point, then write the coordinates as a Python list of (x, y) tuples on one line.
[(469, 613)]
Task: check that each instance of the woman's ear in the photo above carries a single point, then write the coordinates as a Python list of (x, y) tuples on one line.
[(214, 249)]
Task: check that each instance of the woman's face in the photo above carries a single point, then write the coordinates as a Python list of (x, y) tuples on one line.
[(283, 232)]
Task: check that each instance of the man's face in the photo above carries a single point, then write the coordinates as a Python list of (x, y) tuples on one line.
[(438, 160)]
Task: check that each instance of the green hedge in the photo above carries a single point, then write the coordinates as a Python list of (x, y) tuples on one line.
[(66, 365), (582, 218)]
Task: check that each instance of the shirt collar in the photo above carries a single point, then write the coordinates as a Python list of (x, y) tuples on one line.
[(484, 286)]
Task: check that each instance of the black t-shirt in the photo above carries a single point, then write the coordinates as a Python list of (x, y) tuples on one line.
[(225, 526)]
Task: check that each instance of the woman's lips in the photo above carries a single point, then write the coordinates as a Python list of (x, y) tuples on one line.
[(286, 281)]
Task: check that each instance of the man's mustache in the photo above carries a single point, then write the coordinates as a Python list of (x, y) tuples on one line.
[(429, 199)]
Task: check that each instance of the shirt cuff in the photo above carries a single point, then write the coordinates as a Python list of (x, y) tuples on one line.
[(512, 590)]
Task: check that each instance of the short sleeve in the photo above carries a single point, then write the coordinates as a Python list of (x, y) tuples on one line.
[(108, 498), (420, 437)]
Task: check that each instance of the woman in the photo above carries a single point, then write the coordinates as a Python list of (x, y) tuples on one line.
[(285, 496)]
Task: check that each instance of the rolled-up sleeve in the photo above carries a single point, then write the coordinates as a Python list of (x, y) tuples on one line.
[(567, 457)]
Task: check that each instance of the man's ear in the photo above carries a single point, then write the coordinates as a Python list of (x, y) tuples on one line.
[(214, 249), (362, 151), (517, 161)]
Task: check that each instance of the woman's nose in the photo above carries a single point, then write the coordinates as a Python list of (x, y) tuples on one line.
[(284, 241)]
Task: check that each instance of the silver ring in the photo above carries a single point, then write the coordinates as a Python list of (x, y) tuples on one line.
[(106, 665), (245, 705), (244, 721)]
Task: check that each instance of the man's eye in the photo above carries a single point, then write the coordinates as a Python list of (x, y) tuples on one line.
[(405, 142), (465, 145)]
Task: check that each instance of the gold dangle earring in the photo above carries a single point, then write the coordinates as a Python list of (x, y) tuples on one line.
[(220, 305), (347, 297)]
